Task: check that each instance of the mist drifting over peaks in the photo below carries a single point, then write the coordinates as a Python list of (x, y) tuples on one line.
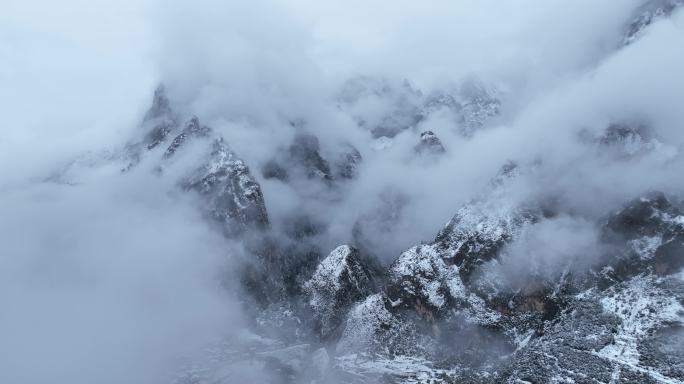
[(457, 151)]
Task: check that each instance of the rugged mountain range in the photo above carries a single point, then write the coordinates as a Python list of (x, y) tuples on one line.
[(449, 309)]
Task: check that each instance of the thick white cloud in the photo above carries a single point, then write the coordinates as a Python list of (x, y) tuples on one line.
[(110, 281)]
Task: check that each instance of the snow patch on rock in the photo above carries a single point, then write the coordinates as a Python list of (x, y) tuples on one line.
[(642, 307)]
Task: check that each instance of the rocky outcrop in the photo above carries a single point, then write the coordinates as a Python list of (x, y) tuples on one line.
[(646, 15), (230, 194), (608, 336), (348, 161), (422, 280), (398, 106), (566, 351), (303, 159), (480, 103), (159, 120), (649, 235), (483, 226), (625, 141), (192, 129), (440, 100), (305, 152), (427, 294), (340, 280), (429, 144), (606, 321)]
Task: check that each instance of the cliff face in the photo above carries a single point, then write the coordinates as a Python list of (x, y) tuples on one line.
[(230, 195)]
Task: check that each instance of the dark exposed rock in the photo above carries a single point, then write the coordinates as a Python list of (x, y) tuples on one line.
[(192, 129), (273, 170), (392, 125), (646, 15), (440, 100), (398, 106), (645, 216), (347, 164), (480, 103), (159, 122), (538, 300), (604, 335), (623, 133), (627, 140), (480, 229), (160, 118), (586, 341), (160, 104), (303, 156), (231, 195), (302, 226), (340, 280), (305, 151), (429, 144), (652, 231), (282, 267), (263, 276), (159, 133), (287, 257), (297, 262)]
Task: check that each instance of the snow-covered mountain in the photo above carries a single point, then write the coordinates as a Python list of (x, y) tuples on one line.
[(509, 225), (455, 308)]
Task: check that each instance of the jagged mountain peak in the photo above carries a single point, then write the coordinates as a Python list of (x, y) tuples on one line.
[(340, 280), (161, 106), (647, 14), (429, 144), (387, 108)]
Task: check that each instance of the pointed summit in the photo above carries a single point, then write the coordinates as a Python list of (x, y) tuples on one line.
[(159, 119), (429, 144), (160, 104)]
